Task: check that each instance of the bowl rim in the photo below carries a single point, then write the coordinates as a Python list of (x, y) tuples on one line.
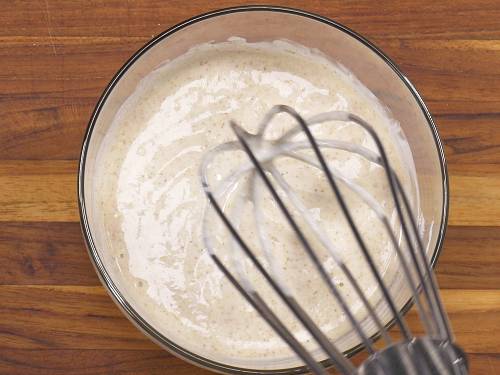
[(104, 276)]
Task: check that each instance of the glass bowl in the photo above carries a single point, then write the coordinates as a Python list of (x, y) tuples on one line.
[(267, 23)]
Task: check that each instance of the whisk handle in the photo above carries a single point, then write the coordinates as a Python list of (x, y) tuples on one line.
[(420, 356)]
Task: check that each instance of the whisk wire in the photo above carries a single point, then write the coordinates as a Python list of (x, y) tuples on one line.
[(337, 357), (345, 210), (303, 240), (426, 355), (429, 285)]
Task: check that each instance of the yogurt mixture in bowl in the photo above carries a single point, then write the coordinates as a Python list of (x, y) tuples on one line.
[(150, 201)]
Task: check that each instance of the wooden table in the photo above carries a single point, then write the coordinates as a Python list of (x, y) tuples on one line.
[(55, 59)]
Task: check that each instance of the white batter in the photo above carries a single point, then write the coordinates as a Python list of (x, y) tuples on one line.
[(151, 201)]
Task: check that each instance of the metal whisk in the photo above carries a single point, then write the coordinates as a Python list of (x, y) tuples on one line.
[(432, 353)]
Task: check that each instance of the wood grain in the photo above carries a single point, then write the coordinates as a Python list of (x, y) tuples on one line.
[(94, 362), (474, 189), (44, 253), (38, 191), (470, 258), (56, 57)]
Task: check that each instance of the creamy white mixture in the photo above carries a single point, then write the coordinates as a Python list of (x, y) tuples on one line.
[(151, 201)]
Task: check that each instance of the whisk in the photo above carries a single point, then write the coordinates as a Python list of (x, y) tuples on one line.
[(432, 353)]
